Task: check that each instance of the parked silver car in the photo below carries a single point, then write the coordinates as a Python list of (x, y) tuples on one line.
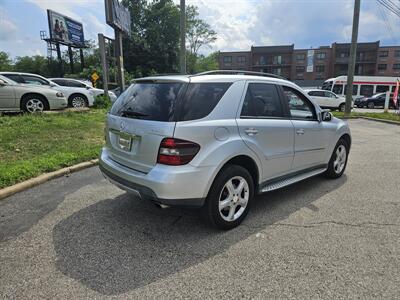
[(16, 97), (216, 139)]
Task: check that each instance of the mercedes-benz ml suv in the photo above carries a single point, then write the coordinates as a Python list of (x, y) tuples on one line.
[(216, 139)]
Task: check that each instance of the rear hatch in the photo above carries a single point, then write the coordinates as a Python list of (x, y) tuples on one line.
[(140, 119)]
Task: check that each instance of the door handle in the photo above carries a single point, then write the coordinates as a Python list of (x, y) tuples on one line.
[(300, 131), (251, 131)]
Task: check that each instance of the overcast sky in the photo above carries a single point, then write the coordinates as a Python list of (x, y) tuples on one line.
[(239, 23)]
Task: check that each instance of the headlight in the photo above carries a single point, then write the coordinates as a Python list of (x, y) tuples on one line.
[(59, 94)]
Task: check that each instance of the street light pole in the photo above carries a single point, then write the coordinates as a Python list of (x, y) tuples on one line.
[(352, 58), (183, 38)]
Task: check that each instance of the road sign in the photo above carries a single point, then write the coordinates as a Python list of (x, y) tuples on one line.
[(95, 76)]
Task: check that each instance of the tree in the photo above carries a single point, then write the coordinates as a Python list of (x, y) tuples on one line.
[(5, 62), (199, 33), (207, 63)]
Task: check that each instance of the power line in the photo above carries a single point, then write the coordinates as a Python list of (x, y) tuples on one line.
[(390, 7), (386, 20)]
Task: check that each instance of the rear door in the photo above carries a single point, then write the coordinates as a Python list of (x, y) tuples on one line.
[(265, 127), (311, 139), (138, 121), (7, 97)]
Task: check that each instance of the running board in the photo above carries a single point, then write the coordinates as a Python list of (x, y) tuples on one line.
[(290, 180)]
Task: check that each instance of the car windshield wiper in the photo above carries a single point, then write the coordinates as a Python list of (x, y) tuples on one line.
[(132, 114)]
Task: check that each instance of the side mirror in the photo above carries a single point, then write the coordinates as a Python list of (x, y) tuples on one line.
[(326, 116)]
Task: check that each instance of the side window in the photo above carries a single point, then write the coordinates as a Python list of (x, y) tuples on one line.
[(60, 82), (262, 100), (367, 90), (337, 89), (14, 77), (300, 107), (34, 80), (382, 88), (329, 95), (75, 84)]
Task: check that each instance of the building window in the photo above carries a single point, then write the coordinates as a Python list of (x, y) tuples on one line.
[(320, 69), (397, 53), (241, 59), (300, 69), (383, 53), (227, 60), (343, 54), (301, 56), (319, 76), (396, 66), (382, 67), (277, 60), (321, 55)]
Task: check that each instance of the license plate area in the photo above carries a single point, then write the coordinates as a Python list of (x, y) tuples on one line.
[(124, 142)]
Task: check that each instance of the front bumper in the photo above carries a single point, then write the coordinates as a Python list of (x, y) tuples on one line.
[(169, 185), (58, 103)]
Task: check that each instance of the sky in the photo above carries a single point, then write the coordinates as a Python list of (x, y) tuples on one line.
[(238, 23)]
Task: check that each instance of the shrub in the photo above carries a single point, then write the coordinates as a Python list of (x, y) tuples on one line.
[(102, 102)]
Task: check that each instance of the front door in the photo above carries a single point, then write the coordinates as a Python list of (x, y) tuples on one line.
[(310, 139), (7, 97), (266, 129)]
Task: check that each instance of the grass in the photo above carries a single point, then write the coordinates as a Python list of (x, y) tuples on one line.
[(34, 144), (383, 116)]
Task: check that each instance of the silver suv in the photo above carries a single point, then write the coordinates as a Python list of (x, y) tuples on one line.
[(216, 139)]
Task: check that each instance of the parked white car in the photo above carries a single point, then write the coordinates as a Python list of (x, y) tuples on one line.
[(327, 99), (79, 84), (76, 97), (17, 97)]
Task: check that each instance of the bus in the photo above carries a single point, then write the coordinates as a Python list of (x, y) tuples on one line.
[(363, 86)]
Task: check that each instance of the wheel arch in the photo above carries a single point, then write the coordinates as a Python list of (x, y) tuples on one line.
[(46, 101), (347, 138), (77, 94)]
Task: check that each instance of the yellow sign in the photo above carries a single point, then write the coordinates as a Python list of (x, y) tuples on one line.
[(95, 76)]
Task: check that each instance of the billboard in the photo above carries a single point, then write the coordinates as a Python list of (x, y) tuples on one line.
[(65, 30), (310, 60), (118, 16)]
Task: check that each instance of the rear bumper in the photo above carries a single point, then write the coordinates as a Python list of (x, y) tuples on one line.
[(174, 186)]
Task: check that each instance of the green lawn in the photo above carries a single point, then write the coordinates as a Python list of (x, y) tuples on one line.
[(384, 116), (34, 144)]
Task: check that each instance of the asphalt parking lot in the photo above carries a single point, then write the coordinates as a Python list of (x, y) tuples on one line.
[(81, 237)]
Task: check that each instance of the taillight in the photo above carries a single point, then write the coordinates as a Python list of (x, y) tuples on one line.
[(176, 152)]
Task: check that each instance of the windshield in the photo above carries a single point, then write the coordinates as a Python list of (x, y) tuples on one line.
[(327, 85)]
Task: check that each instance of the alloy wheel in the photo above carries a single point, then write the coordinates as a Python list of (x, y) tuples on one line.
[(233, 198), (78, 102), (34, 105), (340, 161)]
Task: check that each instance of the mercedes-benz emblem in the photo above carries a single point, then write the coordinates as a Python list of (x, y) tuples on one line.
[(122, 125)]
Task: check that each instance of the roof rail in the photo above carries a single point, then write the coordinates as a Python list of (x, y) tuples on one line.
[(238, 72)]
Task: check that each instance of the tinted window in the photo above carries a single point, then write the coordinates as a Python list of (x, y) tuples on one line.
[(34, 80), (201, 98), (60, 82), (355, 89), (337, 89), (73, 83), (14, 77), (382, 88), (149, 101), (366, 90), (300, 107), (262, 100), (329, 95)]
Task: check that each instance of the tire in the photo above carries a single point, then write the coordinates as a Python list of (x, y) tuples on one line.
[(371, 105), (77, 101), (34, 104), (337, 165), (342, 107), (226, 207)]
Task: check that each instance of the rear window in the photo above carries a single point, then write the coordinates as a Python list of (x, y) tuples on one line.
[(159, 101), (201, 99), (148, 101)]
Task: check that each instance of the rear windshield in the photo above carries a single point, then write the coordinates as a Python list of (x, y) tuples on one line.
[(159, 101)]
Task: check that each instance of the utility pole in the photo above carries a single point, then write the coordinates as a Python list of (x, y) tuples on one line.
[(120, 59), (183, 38), (352, 58)]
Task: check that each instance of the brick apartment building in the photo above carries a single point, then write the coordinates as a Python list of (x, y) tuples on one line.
[(314, 65)]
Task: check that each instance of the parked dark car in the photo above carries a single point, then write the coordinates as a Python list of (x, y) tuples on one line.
[(377, 100)]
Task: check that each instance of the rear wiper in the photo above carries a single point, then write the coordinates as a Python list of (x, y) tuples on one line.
[(131, 113)]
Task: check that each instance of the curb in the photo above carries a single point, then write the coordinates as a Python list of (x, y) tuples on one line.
[(381, 120), (19, 187)]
